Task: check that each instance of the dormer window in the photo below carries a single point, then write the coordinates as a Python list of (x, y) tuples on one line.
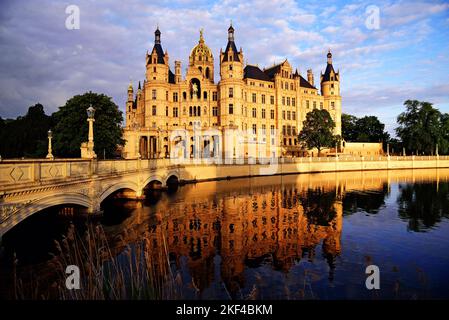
[(230, 67), (230, 58)]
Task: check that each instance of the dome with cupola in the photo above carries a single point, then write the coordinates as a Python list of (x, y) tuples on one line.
[(201, 52)]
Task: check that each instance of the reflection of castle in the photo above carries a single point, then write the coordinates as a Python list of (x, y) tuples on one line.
[(267, 105), (243, 230)]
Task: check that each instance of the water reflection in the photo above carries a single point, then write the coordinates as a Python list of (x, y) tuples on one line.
[(283, 237), (423, 205)]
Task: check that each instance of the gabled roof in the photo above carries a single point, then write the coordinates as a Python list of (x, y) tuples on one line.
[(270, 72), (303, 83), (231, 44), (253, 72)]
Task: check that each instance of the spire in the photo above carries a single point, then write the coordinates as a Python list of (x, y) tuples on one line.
[(231, 33), (130, 87), (139, 86), (329, 57), (157, 36)]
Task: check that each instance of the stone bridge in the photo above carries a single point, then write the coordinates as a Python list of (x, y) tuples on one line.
[(29, 186)]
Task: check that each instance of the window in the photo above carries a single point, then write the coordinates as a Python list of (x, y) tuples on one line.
[(332, 85), (254, 113), (154, 68), (153, 110), (272, 99), (288, 115), (263, 113), (332, 78), (263, 99), (190, 111), (283, 130), (307, 104), (230, 67), (283, 115), (272, 114), (205, 95), (246, 96), (254, 129), (175, 97), (184, 96), (314, 104), (166, 95), (175, 112), (283, 101), (153, 94), (293, 115), (215, 111), (231, 108), (166, 111), (333, 105), (254, 98), (294, 132), (272, 130), (231, 92), (293, 101), (288, 101), (289, 130), (264, 129), (214, 96), (291, 86), (321, 105)]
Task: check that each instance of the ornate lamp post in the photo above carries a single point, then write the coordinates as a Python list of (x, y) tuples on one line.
[(50, 136), (91, 120), (87, 149)]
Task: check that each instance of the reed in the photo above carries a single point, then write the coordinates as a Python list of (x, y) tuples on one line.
[(139, 272)]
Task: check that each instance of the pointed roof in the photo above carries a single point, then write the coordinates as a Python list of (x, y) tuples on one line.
[(272, 71), (303, 83), (329, 68), (157, 47), (231, 45)]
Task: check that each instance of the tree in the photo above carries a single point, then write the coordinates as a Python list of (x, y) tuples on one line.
[(26, 136), (348, 127), (366, 129), (72, 129), (317, 131), (420, 127)]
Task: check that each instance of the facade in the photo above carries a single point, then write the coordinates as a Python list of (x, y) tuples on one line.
[(250, 112)]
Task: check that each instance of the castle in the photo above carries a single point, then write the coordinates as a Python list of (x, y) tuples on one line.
[(249, 113)]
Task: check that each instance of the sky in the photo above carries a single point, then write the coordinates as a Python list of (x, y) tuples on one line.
[(403, 56)]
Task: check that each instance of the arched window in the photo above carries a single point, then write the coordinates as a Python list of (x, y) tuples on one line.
[(207, 73), (190, 111), (199, 111), (205, 95), (194, 111)]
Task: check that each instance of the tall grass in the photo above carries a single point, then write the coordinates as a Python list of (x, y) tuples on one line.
[(137, 272)]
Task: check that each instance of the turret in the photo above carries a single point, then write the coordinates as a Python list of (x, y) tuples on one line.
[(130, 92), (310, 77), (157, 61), (178, 76), (201, 58), (231, 60)]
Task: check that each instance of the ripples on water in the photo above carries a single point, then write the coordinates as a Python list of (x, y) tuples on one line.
[(291, 237)]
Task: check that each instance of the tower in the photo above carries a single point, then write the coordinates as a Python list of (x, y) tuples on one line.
[(310, 77), (130, 105), (231, 83), (330, 89)]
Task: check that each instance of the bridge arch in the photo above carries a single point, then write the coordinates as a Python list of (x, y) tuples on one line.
[(121, 185), (158, 178), (172, 178), (35, 206)]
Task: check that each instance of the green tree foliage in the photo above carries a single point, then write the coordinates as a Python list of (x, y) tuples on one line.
[(366, 129), (317, 131), (421, 128), (72, 128), (25, 136)]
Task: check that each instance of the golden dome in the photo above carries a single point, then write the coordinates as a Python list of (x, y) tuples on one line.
[(201, 49)]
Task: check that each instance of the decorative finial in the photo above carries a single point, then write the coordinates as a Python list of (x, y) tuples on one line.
[(201, 35)]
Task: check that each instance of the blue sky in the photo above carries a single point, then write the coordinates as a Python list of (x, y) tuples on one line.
[(406, 58)]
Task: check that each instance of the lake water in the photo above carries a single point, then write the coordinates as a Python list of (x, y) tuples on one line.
[(308, 236)]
